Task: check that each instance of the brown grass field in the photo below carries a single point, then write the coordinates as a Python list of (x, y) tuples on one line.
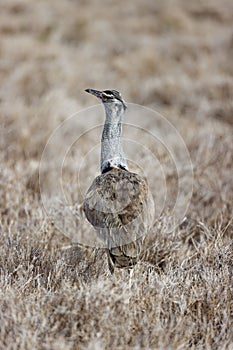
[(173, 56)]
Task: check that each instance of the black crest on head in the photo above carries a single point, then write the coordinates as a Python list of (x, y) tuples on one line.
[(111, 94)]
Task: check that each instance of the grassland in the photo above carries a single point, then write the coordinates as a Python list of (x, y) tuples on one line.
[(172, 56)]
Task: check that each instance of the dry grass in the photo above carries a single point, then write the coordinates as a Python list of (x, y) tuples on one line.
[(174, 56)]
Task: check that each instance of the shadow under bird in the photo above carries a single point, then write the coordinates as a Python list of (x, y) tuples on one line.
[(118, 203)]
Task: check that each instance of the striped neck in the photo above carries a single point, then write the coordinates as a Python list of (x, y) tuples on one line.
[(112, 155)]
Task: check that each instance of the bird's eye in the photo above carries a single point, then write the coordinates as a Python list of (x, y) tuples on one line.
[(104, 97)]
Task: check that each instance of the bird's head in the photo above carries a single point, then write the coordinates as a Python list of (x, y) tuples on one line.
[(108, 97)]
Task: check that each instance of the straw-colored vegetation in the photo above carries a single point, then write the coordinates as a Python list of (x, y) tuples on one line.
[(173, 56)]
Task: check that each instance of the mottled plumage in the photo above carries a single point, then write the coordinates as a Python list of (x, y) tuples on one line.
[(118, 204)]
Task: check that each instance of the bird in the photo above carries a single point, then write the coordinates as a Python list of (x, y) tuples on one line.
[(118, 203)]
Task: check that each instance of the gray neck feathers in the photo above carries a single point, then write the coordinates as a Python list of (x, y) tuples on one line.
[(112, 154)]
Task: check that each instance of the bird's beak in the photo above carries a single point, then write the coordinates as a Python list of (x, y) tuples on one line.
[(94, 92)]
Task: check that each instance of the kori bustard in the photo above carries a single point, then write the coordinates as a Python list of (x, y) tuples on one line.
[(117, 204)]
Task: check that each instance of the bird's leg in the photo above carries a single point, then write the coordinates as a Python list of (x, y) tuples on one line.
[(110, 263), (130, 272)]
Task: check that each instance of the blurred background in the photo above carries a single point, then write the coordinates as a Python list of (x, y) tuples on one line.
[(174, 56)]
